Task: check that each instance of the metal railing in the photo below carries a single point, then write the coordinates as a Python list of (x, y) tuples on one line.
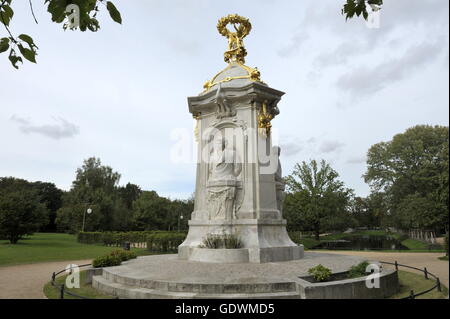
[(61, 287), (427, 274)]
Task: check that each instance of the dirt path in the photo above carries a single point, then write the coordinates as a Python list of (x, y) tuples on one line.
[(419, 260), (27, 281)]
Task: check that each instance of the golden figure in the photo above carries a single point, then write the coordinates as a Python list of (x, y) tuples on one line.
[(242, 26), (236, 53), (264, 120)]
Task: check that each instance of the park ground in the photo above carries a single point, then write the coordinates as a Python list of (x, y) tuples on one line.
[(26, 267)]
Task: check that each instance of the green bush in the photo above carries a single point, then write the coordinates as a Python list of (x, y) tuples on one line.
[(227, 241), (106, 261), (320, 273), (123, 255), (358, 270)]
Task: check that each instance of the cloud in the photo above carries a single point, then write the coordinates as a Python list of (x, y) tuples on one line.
[(294, 46), (63, 128), (366, 81), (357, 160), (291, 148), (331, 146)]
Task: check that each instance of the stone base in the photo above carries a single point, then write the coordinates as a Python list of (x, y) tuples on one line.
[(167, 277), (265, 239)]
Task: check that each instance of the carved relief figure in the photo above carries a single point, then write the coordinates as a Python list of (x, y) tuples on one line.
[(280, 185), (224, 169), (224, 106)]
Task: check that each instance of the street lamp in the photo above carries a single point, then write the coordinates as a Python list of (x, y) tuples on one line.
[(180, 218), (89, 211)]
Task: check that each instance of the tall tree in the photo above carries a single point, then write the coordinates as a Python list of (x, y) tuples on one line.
[(318, 197), (21, 212), (51, 197), (95, 186), (412, 170)]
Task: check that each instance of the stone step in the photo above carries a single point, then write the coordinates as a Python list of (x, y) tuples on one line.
[(132, 292), (208, 288)]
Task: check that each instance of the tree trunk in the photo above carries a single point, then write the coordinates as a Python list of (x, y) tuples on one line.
[(317, 231)]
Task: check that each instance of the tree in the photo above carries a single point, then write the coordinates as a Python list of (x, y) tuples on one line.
[(21, 213), (129, 193), (51, 197), (95, 186), (74, 14), (359, 7), (48, 195), (412, 171), (317, 198), (152, 212)]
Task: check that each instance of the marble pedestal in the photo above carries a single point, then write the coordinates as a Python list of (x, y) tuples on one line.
[(239, 188)]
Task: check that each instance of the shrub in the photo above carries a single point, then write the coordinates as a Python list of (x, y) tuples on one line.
[(123, 255), (358, 270), (320, 273), (227, 241), (106, 261), (164, 241)]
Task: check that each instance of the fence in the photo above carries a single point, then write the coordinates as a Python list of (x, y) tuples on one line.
[(427, 275)]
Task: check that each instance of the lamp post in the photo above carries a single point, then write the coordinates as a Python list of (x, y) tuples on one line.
[(89, 211), (180, 218)]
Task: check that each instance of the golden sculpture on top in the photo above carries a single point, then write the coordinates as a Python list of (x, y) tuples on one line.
[(236, 50), (236, 53)]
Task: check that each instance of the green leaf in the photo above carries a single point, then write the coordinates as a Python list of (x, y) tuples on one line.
[(14, 58), (27, 39), (113, 12), (27, 53), (6, 14), (4, 44)]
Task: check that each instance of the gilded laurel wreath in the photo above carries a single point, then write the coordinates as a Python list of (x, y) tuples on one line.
[(236, 50), (242, 30)]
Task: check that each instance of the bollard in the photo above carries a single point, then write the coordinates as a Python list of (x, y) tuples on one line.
[(426, 272), (439, 285), (411, 294), (396, 266), (61, 292), (53, 277)]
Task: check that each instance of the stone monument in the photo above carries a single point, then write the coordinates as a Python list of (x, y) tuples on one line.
[(239, 192), (239, 188)]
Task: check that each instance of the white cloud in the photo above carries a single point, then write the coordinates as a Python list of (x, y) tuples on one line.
[(62, 128)]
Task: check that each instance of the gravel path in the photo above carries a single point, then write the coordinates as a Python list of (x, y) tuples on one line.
[(419, 260), (27, 281)]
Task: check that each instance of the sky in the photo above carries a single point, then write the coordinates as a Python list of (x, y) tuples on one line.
[(120, 94)]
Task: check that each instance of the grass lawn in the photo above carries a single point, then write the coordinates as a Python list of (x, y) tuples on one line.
[(445, 258), (44, 247), (410, 281), (84, 290)]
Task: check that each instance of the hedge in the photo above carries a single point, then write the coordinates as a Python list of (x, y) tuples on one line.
[(165, 241), (159, 241)]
